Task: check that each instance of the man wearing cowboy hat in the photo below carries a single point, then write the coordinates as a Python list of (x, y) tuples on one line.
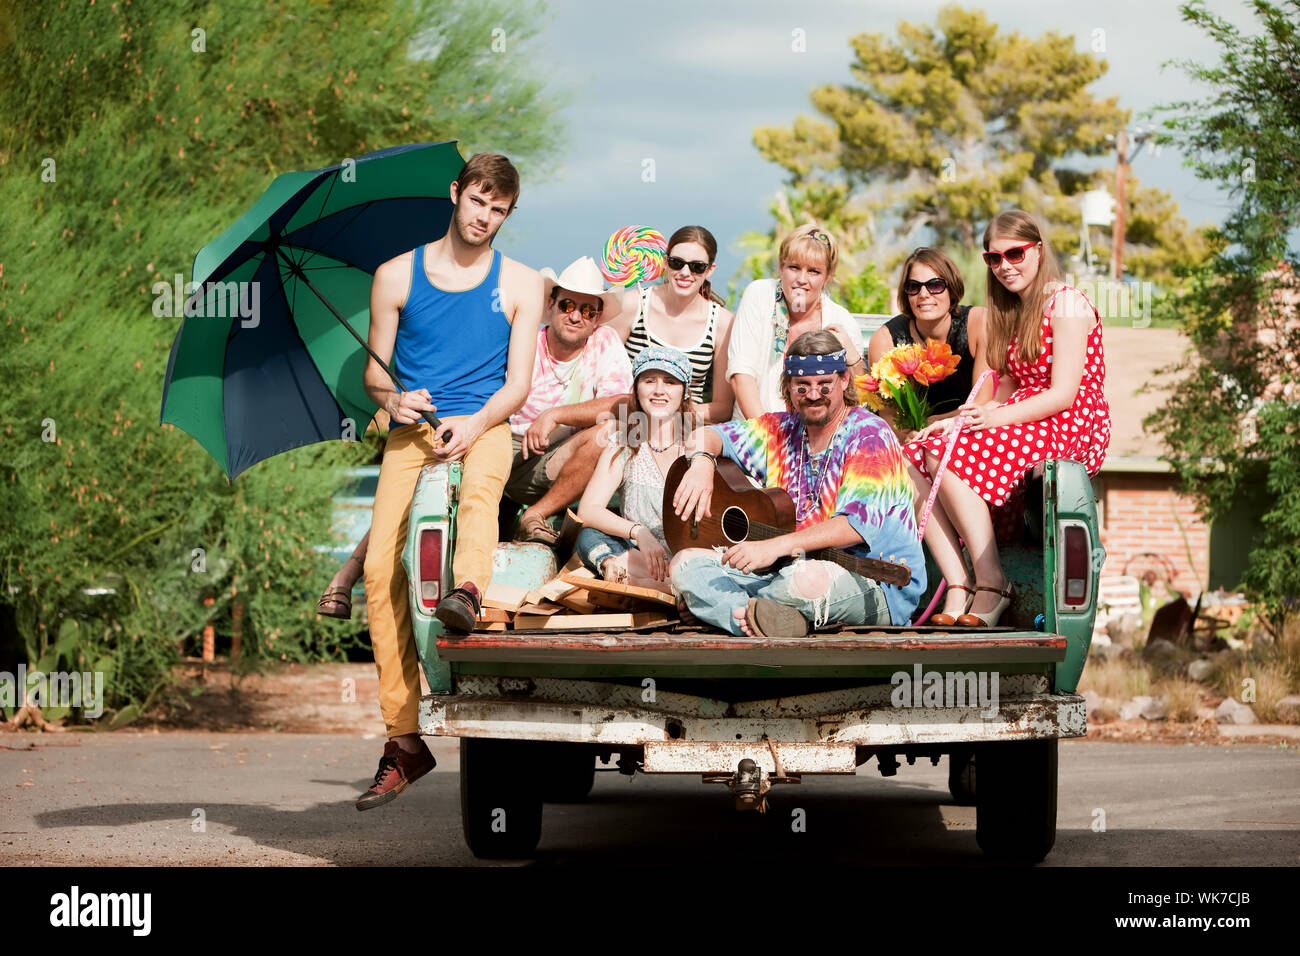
[(580, 371)]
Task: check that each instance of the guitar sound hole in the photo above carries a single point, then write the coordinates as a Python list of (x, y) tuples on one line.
[(735, 525)]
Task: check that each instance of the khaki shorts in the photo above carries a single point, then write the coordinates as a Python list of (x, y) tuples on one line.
[(529, 478)]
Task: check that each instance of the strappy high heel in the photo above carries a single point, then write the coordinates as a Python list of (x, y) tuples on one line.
[(947, 620), (987, 618)]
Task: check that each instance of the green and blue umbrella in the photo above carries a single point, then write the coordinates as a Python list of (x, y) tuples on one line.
[(272, 349)]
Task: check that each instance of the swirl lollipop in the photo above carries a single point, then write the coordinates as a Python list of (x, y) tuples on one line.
[(634, 254)]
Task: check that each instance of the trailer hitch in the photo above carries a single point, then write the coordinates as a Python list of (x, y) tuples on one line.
[(749, 785)]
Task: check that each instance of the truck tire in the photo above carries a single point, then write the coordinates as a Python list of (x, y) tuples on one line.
[(568, 772), (500, 797), (961, 777), (1015, 805)]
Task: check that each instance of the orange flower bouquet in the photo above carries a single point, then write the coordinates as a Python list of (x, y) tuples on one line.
[(904, 375)]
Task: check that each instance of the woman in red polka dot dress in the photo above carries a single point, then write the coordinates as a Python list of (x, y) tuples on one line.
[(1044, 340)]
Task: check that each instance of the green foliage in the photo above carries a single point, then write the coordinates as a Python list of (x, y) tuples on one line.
[(857, 282), (864, 292), (156, 147), (947, 124), (1234, 421)]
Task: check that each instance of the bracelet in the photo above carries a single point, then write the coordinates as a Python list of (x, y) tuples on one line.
[(695, 454), (631, 532)]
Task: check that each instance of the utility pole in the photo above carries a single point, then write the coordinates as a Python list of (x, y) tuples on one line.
[(1121, 205)]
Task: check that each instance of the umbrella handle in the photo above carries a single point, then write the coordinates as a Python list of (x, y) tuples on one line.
[(433, 420)]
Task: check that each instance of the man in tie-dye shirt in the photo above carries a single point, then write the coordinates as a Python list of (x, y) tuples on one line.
[(845, 472)]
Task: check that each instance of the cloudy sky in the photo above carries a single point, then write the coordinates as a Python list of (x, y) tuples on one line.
[(685, 83)]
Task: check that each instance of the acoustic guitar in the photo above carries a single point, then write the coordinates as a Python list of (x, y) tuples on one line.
[(742, 512)]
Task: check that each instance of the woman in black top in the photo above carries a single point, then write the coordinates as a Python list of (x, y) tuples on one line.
[(929, 294)]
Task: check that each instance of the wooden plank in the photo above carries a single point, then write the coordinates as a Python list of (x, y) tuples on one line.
[(545, 609), (592, 583), (494, 615), (614, 602), (587, 622), (505, 597), (553, 588), (576, 600), (490, 626)]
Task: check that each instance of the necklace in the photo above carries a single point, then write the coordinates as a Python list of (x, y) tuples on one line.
[(804, 509), (573, 367), (655, 448)]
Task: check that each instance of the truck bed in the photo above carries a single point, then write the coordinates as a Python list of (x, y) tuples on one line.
[(876, 645)]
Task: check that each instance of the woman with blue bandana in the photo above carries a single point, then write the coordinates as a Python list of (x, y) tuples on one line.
[(630, 548)]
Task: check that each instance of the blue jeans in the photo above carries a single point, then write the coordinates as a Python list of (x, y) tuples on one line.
[(595, 546), (712, 590)]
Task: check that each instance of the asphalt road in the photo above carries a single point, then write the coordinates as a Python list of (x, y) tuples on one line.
[(287, 799)]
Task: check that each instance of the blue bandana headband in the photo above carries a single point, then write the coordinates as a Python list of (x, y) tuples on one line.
[(816, 364)]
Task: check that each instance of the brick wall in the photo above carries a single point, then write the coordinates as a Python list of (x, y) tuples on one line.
[(1138, 515)]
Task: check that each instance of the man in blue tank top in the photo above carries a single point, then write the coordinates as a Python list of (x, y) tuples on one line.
[(459, 322)]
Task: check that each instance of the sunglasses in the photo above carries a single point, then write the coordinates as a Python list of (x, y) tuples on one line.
[(697, 267), (822, 390), (935, 286), (1014, 255), (584, 310)]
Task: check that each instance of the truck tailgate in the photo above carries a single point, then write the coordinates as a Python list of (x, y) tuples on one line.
[(879, 646)]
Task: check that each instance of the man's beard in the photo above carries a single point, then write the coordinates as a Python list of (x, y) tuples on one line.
[(818, 414), (567, 338), (462, 230)]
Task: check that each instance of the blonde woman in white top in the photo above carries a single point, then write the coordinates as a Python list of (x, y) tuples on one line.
[(774, 312)]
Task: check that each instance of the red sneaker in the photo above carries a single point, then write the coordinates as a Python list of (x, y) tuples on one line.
[(458, 611), (397, 770)]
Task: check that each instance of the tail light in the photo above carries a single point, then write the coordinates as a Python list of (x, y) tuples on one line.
[(1074, 565), (430, 568)]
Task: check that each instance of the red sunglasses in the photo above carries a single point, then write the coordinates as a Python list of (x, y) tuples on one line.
[(1015, 255)]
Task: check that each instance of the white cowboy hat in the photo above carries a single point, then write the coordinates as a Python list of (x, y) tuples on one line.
[(583, 276)]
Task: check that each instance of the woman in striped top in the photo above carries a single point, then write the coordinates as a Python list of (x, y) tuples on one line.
[(684, 313)]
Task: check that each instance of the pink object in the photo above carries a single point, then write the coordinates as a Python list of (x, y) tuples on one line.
[(634, 254)]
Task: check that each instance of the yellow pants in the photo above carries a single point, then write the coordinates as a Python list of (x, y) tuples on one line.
[(485, 469)]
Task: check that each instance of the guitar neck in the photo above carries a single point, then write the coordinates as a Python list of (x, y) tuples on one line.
[(873, 568)]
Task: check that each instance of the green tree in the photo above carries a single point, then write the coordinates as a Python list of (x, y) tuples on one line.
[(857, 283), (948, 124), (1233, 422), (130, 135)]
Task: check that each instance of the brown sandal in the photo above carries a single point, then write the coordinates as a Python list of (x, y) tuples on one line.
[(338, 596), (948, 620), (768, 618), (987, 618), (537, 531)]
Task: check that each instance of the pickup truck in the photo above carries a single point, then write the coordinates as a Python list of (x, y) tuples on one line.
[(535, 711)]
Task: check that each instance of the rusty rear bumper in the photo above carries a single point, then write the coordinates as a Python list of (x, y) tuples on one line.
[(680, 733)]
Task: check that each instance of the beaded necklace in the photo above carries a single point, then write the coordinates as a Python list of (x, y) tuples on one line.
[(807, 460)]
